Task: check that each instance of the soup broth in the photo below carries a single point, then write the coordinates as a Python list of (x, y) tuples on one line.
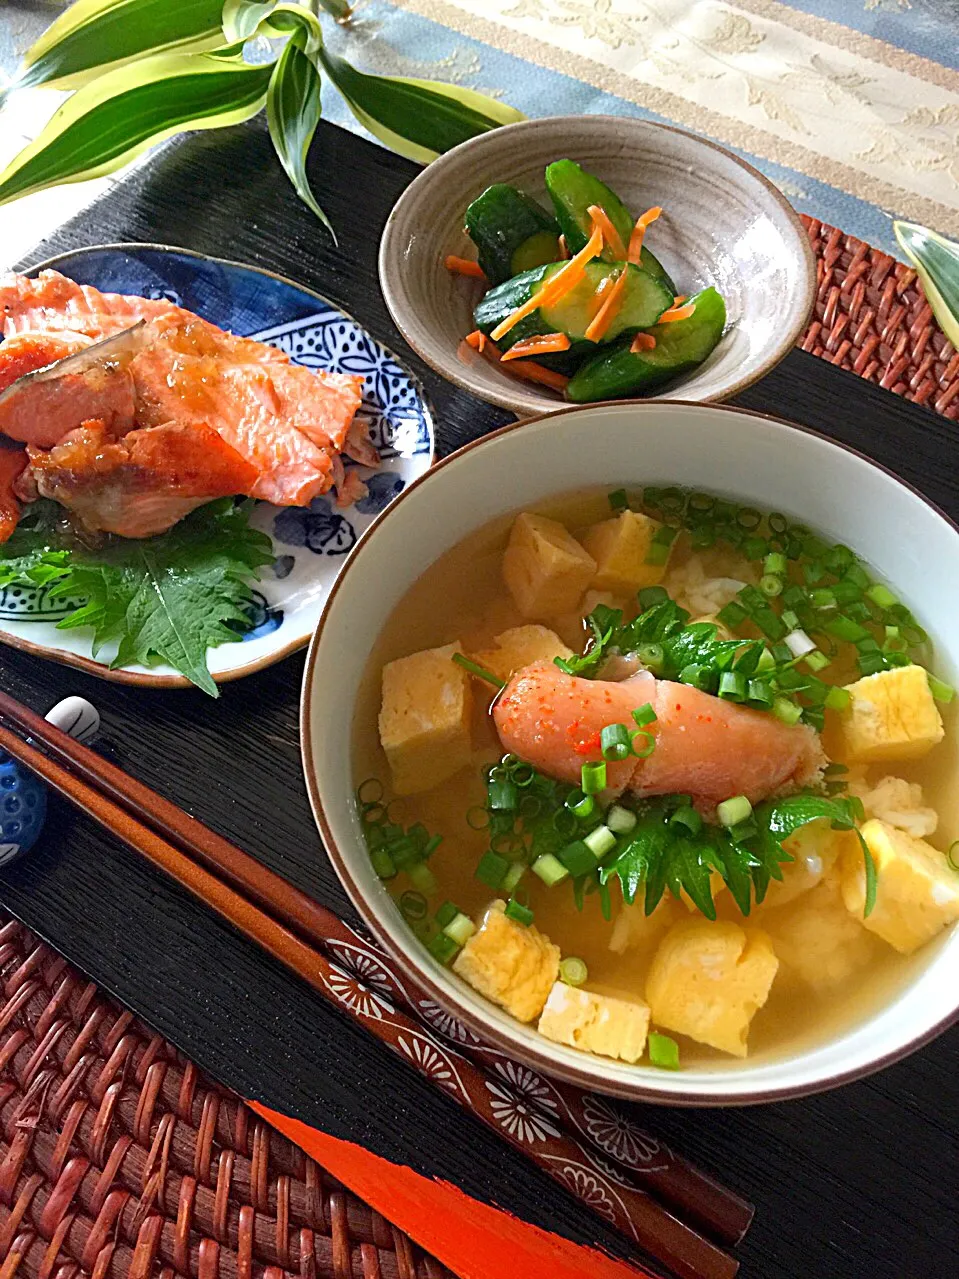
[(831, 969)]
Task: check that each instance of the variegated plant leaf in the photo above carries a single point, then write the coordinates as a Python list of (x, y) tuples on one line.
[(293, 110), (96, 34), (117, 116), (936, 259)]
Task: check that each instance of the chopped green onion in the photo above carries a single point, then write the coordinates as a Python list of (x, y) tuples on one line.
[(840, 558), (599, 842), (477, 817), (646, 749), (422, 878), (666, 535), (581, 805), (446, 913), (383, 863), (478, 671), (941, 691), (793, 597), (650, 596), (432, 844), (777, 522), (847, 592), (837, 699), (370, 791), (748, 517), (814, 716), (652, 656), (881, 595), (513, 876), (844, 628), (871, 663), (593, 778), (776, 563), (733, 811), (732, 686), (781, 653), (620, 820), (816, 661), (743, 830), (767, 661), (732, 615), (822, 598), (614, 742), (490, 870), (813, 572), (618, 500), (755, 548), (549, 869), (835, 770), (413, 906), (695, 675), (516, 910), (688, 817), (771, 585), (644, 715), (663, 1051), (443, 948), (952, 856), (760, 692), (460, 929), (799, 643), (577, 857), (502, 796), (573, 971), (656, 553)]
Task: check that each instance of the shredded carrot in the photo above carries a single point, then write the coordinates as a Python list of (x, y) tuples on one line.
[(680, 298), (541, 344), (464, 266), (563, 249), (596, 302), (677, 313), (642, 342), (611, 237), (555, 288), (528, 370), (599, 325), (639, 234)]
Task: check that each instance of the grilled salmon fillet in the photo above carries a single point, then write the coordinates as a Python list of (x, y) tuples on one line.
[(12, 464), (143, 483), (288, 423)]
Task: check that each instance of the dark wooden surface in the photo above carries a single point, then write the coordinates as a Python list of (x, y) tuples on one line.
[(860, 1182)]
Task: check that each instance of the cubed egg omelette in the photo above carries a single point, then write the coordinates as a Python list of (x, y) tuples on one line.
[(544, 567), (424, 719), (620, 547), (708, 979), (891, 716), (513, 965), (521, 646), (595, 1023), (917, 891)]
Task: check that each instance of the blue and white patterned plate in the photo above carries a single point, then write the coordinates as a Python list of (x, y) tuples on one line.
[(310, 543)]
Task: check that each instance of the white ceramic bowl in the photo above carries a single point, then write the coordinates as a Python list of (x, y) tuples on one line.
[(765, 462), (723, 224)]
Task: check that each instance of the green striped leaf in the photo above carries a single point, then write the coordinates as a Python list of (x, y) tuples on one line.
[(242, 18), (418, 118), (936, 259), (108, 122), (293, 111), (94, 34)]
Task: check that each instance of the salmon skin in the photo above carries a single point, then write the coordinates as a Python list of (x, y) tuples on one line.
[(289, 424), (141, 484), (13, 462), (705, 747), (42, 405)]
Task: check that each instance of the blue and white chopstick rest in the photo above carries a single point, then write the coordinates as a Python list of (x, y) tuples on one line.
[(23, 797)]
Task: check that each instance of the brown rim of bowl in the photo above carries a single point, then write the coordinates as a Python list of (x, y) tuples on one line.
[(780, 351), (423, 978), (143, 679)]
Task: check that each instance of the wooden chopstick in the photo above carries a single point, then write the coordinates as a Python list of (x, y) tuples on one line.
[(695, 1196), (641, 1217)]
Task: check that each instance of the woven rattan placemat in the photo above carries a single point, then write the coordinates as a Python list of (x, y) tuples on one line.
[(119, 1160)]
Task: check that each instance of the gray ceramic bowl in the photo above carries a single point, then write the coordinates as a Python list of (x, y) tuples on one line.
[(723, 224)]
